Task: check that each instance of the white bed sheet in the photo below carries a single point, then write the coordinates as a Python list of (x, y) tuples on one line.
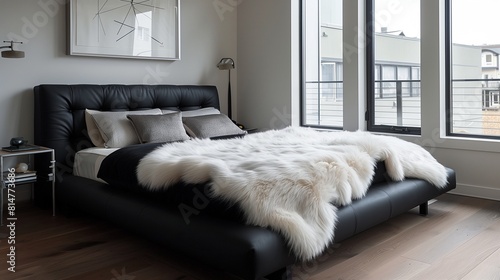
[(88, 162)]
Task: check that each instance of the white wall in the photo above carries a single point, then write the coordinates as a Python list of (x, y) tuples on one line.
[(475, 161), (208, 33), (267, 63)]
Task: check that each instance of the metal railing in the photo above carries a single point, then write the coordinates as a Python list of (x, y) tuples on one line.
[(324, 103), (475, 104), (396, 102), (405, 97)]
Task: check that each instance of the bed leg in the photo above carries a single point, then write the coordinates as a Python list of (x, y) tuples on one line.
[(424, 208), (282, 274)]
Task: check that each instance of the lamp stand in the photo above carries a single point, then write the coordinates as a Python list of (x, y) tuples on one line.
[(229, 103), (227, 63)]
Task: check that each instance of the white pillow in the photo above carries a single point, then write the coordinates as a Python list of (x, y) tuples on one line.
[(169, 111), (92, 130), (200, 112), (115, 129)]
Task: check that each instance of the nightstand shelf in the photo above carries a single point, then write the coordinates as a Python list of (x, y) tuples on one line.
[(252, 130), (10, 185)]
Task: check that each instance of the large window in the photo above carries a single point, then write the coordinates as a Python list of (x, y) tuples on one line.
[(393, 65), (473, 68), (322, 92), (393, 49)]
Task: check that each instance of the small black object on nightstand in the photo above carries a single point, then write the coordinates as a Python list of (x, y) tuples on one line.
[(19, 144)]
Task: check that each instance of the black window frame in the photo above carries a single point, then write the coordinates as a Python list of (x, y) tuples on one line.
[(449, 79), (448, 67), (370, 80), (302, 78)]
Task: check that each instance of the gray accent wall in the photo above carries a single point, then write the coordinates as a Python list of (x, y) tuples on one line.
[(208, 33)]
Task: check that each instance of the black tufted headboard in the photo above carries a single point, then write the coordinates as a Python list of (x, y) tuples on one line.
[(60, 110)]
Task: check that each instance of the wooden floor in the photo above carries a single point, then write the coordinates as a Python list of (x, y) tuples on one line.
[(459, 239)]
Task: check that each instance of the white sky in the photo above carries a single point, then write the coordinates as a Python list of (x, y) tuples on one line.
[(475, 22), (397, 16)]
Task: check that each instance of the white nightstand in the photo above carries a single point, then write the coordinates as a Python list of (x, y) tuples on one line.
[(10, 184)]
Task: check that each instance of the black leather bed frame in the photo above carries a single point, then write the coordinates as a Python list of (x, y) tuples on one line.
[(212, 234)]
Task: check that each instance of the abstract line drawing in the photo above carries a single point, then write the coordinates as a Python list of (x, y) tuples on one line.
[(129, 28), (132, 10)]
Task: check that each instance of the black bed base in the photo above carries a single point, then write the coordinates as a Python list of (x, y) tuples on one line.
[(217, 238)]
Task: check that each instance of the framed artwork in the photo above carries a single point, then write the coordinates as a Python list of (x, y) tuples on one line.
[(144, 29)]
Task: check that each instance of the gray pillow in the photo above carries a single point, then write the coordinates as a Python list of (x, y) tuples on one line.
[(211, 126), (115, 129), (159, 128)]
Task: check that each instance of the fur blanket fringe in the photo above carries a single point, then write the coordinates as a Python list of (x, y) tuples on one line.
[(290, 180)]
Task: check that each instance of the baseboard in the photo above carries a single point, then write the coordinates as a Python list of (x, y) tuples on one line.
[(477, 191)]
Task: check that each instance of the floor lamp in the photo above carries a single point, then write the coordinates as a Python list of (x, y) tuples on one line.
[(227, 64), (11, 53)]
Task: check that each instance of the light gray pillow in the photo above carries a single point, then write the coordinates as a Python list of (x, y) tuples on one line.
[(165, 111), (159, 128), (209, 126), (92, 130), (115, 129), (200, 112)]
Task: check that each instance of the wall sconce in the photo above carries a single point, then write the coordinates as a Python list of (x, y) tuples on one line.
[(227, 64), (11, 53)]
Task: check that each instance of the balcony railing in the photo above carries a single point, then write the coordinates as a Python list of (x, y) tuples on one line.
[(475, 104), (397, 103), (324, 103)]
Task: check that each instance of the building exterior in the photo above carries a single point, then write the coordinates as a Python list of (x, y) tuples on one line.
[(491, 74), (397, 62)]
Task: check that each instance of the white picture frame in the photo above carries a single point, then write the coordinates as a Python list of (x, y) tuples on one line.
[(146, 29)]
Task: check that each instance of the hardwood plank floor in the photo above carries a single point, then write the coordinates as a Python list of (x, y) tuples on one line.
[(454, 239), (459, 239)]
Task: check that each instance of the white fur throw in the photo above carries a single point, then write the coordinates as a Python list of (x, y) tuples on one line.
[(290, 179)]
